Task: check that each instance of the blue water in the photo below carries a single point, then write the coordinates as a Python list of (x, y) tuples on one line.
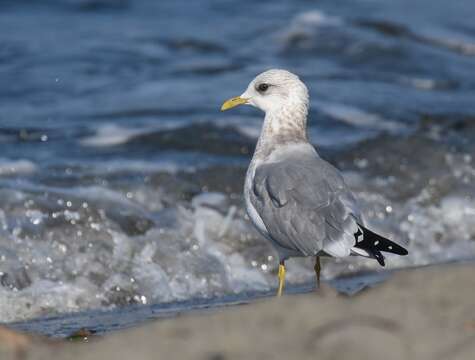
[(120, 180), (98, 322)]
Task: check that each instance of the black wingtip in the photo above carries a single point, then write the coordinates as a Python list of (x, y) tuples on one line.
[(374, 244), (379, 257)]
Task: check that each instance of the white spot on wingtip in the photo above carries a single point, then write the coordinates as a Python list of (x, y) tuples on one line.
[(376, 242), (359, 238)]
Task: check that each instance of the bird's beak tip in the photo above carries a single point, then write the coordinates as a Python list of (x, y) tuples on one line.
[(233, 102)]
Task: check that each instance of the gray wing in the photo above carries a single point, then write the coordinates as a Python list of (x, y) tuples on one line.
[(306, 205)]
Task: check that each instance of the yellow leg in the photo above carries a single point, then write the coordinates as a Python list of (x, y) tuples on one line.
[(317, 268), (281, 278)]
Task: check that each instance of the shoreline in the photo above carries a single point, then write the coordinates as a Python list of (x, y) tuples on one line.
[(423, 313), (104, 321)]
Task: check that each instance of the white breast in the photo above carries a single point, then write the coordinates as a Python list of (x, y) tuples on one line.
[(251, 211)]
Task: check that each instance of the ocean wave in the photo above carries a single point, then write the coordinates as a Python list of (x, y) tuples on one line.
[(110, 135), (166, 239), (360, 118), (16, 167), (444, 39)]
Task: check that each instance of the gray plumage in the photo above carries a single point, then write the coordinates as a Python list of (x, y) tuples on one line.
[(304, 203), (297, 200)]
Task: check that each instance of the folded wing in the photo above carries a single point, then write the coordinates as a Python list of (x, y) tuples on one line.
[(305, 204)]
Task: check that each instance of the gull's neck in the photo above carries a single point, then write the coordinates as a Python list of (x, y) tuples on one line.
[(282, 126)]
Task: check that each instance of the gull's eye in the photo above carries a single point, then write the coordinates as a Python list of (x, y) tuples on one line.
[(262, 87)]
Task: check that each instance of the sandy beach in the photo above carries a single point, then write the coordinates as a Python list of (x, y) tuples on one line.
[(426, 313)]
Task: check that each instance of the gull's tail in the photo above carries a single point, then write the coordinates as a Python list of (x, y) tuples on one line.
[(373, 244)]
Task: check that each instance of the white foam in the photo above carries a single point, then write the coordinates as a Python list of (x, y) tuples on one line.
[(316, 18), (141, 166), (110, 135), (45, 297), (212, 199), (201, 248), (358, 117), (14, 167), (420, 83), (307, 23)]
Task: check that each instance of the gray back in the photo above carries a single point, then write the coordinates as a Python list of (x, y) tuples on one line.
[(305, 203)]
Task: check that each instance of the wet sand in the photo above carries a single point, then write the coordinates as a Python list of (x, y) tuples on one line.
[(426, 313)]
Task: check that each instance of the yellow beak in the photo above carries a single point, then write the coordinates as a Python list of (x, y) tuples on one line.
[(235, 101)]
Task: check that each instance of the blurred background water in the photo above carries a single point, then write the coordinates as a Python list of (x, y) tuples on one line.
[(120, 180)]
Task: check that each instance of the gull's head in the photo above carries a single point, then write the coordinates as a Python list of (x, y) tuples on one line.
[(271, 91)]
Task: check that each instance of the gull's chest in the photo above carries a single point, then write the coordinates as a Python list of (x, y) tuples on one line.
[(255, 217), (251, 210)]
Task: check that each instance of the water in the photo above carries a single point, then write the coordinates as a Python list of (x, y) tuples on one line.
[(102, 321), (120, 180)]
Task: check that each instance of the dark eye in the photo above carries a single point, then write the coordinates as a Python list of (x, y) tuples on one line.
[(262, 87)]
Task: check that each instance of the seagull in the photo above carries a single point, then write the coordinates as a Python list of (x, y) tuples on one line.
[(297, 200)]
